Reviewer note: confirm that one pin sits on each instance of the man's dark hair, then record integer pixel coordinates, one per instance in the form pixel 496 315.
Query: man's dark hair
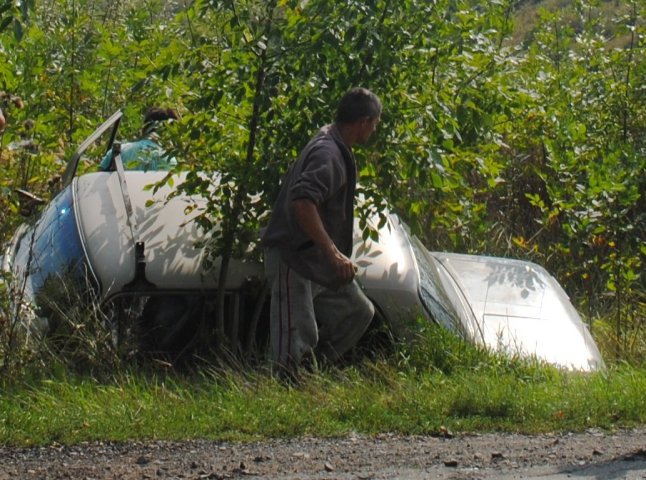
pixel 158 114
pixel 358 103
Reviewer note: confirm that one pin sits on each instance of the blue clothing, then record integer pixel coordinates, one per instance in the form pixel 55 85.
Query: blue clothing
pixel 144 154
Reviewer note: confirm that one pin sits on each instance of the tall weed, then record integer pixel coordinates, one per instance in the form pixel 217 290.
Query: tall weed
pixel 16 352
pixel 434 348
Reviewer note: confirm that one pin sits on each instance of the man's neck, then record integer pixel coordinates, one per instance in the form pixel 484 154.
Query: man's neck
pixel 347 134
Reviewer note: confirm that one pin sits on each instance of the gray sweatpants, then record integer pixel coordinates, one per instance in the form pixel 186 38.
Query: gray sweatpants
pixel 307 317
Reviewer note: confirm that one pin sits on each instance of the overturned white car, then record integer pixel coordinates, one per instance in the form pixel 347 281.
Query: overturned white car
pixel 102 236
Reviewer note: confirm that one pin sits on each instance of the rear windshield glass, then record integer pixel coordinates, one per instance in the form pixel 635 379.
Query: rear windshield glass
pixel 430 290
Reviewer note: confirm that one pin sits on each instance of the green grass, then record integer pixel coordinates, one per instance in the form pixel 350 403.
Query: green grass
pixel 417 390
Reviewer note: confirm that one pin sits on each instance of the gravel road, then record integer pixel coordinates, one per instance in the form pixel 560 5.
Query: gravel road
pixel 590 455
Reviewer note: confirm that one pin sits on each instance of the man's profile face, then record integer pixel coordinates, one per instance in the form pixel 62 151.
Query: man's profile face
pixel 367 126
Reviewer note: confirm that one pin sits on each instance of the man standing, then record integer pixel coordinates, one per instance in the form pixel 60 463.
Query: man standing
pixel 316 305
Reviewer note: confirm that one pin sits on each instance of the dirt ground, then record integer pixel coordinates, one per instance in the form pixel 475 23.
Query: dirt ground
pixel 593 454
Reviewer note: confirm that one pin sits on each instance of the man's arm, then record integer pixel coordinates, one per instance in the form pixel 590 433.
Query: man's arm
pixel 2 121
pixel 307 216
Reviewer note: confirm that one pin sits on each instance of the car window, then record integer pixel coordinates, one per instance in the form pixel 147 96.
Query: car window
pixel 89 153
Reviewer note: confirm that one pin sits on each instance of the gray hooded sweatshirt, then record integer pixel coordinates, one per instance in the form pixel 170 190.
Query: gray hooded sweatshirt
pixel 325 173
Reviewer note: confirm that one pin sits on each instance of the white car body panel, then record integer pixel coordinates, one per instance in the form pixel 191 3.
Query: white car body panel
pixel 173 261
pixel 387 270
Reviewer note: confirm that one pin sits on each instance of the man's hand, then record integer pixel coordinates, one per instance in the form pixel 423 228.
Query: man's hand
pixel 307 216
pixel 345 269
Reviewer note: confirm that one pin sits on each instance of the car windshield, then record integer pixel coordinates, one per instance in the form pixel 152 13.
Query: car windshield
pixel 446 308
